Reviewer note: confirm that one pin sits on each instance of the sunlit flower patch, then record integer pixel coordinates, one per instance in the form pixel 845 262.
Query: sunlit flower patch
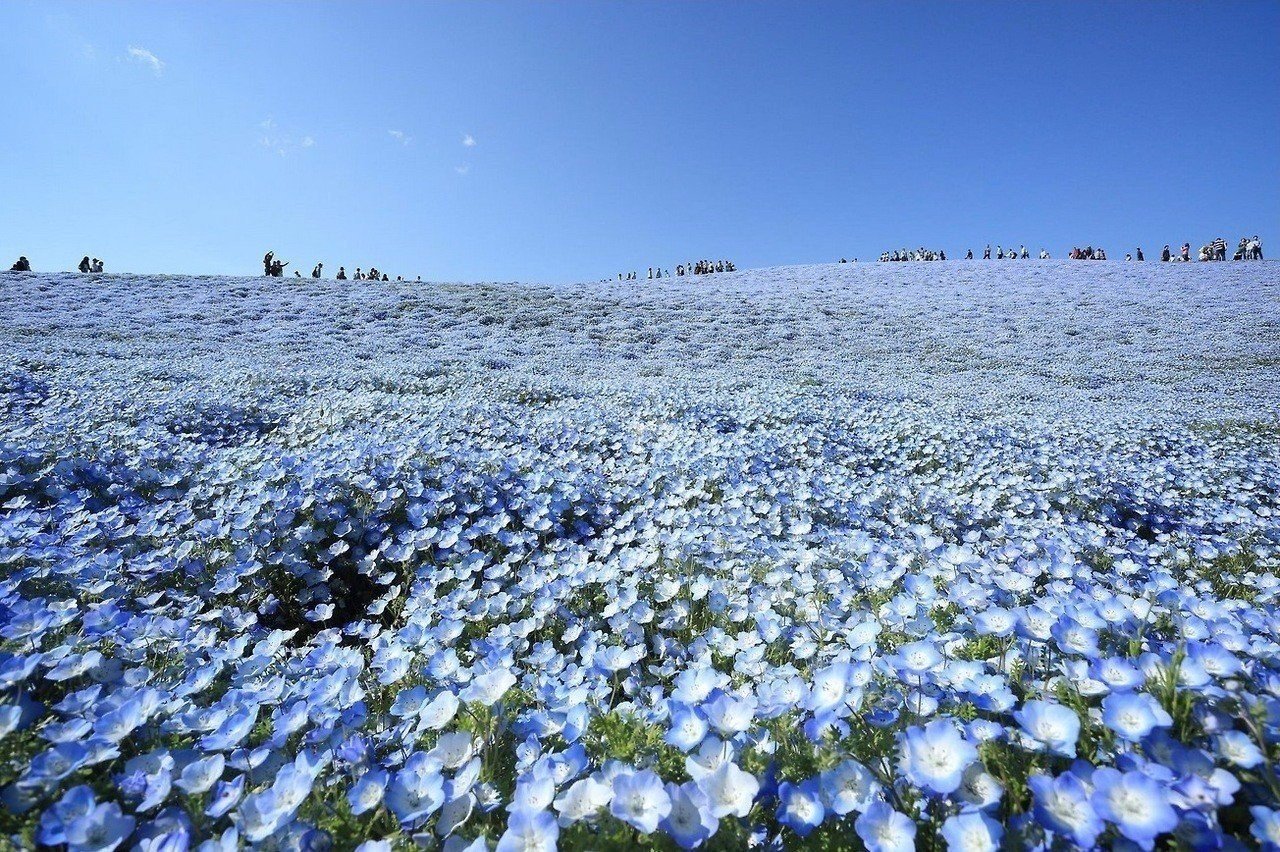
pixel 816 558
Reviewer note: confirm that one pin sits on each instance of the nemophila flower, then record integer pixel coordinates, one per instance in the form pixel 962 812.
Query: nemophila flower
pixel 1133 715
pixel 1193 792
pixel 200 775
pixel 882 829
pixel 101 830
pixel 488 687
pixel 1050 725
pixel 1240 749
pixel 583 800
pixel 979 788
pixel 689 822
pixel 829 686
pixel 972 832
pixel 225 796
pixel 1266 827
pixel 935 757
pixel 534 792
pixel 640 800
pixel 368 791
pixel 686 727
pixel 995 621
pixel 848 787
pixel 75 803
pixel 730 791
pixel 453 749
pixel 1137 805
pixel 454 813
pixel 800 806
pixel 232 731
pixel 1063 806
pixel 439 711
pixel 529 831
pixel 915 659
pixel 416 791
pixel 1117 673
pixel 728 714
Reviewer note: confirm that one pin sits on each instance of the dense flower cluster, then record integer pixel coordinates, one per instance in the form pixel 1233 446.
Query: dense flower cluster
pixel 517 568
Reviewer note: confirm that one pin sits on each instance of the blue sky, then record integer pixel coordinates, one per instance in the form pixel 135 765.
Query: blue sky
pixel 192 137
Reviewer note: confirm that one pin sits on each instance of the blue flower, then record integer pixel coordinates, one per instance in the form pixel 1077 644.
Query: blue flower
pixel 935 757
pixel 529 831
pixel 101 830
pixel 416 791
pixel 690 821
pixel 1133 715
pixel 800 806
pixel 687 728
pixel 1240 749
pixel 368 791
pixel 225 796
pixel 640 800
pixel 882 829
pixel 1062 805
pixel 1266 827
pixel 1050 725
pixel 972 832
pixel 1138 805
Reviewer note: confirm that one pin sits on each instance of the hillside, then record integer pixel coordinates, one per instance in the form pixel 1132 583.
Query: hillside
pixel 770 552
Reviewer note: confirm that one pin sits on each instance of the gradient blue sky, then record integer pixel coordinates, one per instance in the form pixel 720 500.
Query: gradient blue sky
pixel 193 136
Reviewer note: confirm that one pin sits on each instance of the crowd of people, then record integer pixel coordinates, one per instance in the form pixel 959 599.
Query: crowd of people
pixel 921 253
pixel 274 268
pixel 701 267
pixel 1246 249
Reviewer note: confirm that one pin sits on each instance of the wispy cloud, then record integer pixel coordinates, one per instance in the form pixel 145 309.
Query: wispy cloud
pixel 400 136
pixel 462 170
pixel 274 139
pixel 146 57
pixel 468 140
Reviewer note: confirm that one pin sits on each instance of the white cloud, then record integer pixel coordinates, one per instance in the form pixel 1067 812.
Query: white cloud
pixel 146 57
pixel 468 140
pixel 462 170
pixel 400 136
pixel 273 139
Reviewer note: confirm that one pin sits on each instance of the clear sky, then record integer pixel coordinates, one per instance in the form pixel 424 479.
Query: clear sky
pixel 562 141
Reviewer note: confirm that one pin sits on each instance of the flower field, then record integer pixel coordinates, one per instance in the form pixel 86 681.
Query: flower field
pixel 944 557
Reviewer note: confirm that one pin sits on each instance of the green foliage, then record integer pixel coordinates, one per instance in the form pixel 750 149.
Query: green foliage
pixel 622 736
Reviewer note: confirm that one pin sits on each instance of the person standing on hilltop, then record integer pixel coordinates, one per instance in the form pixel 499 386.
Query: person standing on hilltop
pixel 1166 255
pixel 96 266
pixel 266 263
pixel 85 265
pixel 1140 257
pixel 315 273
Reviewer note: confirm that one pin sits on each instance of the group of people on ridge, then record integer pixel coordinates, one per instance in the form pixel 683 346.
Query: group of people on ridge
pixel 87 265
pixel 701 267
pixel 1246 249
pixel 921 253
pixel 273 268
pixel 1091 253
